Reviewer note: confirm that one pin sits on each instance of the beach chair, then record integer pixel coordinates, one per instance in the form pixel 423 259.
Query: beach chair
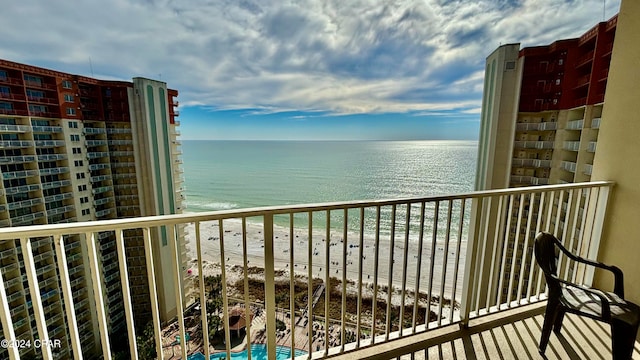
pixel 564 296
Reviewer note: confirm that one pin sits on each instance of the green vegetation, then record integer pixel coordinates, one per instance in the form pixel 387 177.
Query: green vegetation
pixel 146 343
pixel 300 295
pixel 213 286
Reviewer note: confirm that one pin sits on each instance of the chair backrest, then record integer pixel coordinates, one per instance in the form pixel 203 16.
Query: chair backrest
pixel 547 258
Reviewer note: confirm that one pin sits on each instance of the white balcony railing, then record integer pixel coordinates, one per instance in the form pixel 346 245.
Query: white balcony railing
pixel 93 131
pixel 14 128
pixel 588 169
pixel 425 262
pixel 575 124
pixel 542 126
pixel 47 129
pixel 18 159
pixel 534 144
pixel 571 145
pixel 118 130
pixel 569 166
pixel 531 163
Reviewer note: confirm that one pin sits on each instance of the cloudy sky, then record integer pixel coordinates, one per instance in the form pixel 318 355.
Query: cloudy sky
pixel 275 69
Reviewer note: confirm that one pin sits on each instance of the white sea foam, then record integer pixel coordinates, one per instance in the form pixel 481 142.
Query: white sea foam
pixel 212 205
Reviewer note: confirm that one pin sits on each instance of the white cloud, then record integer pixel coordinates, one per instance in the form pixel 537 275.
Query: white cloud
pixel 337 56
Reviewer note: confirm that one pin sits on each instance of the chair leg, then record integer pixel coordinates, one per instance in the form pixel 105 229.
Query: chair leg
pixel 557 324
pixel 623 337
pixel 547 325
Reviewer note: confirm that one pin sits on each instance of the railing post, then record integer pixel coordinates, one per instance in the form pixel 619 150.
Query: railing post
pixel 203 296
pixel 269 286
pixel 97 294
pixel 599 209
pixel 68 297
pixel 475 226
pixel 153 292
pixel 126 294
pixel 7 324
pixel 177 283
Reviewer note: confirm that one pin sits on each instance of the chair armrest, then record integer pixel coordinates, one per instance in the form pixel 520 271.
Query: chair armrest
pixel 618 287
pixel 606 309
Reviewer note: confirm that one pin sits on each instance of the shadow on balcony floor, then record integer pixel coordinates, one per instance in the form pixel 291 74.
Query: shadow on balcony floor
pixel 512 338
pixel 511 334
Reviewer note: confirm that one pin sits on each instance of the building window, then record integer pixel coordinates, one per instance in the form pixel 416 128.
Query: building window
pixel 84 200
pixel 80 175
pixel 78 163
pixel 77 150
pixel 37 108
pixel 73 124
pixel 3 75
pixel 75 137
pixel 6 106
pixel 82 187
pixel 560 61
pixel 557 81
pixel 9 137
pixel 42 137
pixel 510 65
pixel 5 91
pixel 35 94
pixel 71 111
pixel 66 84
pixel 86 212
pixel 68 98
pixel 33 79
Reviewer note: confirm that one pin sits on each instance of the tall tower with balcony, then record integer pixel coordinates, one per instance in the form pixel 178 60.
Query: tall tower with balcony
pixel 548 128
pixel 74 148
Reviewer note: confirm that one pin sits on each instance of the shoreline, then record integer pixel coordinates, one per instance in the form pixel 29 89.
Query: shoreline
pixel 339 251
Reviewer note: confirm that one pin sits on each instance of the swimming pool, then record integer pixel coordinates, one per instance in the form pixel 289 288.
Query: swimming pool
pixel 258 352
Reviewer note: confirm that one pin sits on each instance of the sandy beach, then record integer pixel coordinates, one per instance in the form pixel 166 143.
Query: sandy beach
pixel 293 253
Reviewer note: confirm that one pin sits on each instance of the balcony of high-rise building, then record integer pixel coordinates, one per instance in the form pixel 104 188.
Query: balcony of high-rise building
pixel 461 290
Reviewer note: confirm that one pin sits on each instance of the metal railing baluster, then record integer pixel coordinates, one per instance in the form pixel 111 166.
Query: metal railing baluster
pixel 418 267
pixel 360 270
pixel 405 256
pixel 432 260
pixel 269 287
pixel 445 258
pixel 203 296
pixel 390 273
pixel 126 294
pixel 7 323
pixel 97 293
pixel 456 266
pixel 153 292
pixel 177 283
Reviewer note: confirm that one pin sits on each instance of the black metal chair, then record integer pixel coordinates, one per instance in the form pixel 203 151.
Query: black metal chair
pixel 564 296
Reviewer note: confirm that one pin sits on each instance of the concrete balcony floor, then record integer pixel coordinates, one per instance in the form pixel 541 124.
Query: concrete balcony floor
pixel 511 334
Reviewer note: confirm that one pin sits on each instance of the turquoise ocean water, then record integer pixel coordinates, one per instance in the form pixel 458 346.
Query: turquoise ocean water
pixel 222 175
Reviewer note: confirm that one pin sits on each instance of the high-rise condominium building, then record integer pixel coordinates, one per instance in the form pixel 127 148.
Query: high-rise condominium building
pixel 541 111
pixel 74 148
